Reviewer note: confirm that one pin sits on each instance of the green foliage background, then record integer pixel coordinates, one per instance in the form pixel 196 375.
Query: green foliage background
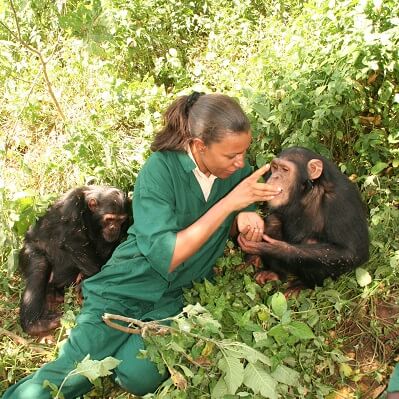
pixel 84 86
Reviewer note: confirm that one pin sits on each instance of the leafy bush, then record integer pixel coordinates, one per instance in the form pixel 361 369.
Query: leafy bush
pixel 85 84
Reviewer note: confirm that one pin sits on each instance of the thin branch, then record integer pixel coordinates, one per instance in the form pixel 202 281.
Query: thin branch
pixel 39 54
pixel 19 340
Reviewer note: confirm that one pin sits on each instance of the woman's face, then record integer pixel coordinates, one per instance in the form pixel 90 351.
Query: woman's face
pixel 223 158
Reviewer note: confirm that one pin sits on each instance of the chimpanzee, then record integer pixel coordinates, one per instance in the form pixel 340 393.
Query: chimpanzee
pixel 316 227
pixel 72 240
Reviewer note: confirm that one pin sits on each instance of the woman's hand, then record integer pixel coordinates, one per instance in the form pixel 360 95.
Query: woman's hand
pixel 250 225
pixel 250 191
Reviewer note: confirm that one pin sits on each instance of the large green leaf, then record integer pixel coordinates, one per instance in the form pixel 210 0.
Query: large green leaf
pixel 220 389
pixel 260 381
pixel 286 375
pixel 234 372
pixel 300 330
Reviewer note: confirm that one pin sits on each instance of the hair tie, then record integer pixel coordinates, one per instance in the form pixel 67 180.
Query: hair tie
pixel 191 100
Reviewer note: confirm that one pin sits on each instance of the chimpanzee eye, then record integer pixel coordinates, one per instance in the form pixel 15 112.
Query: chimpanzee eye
pixel 109 218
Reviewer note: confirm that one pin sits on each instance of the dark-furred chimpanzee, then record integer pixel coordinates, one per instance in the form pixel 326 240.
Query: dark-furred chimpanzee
pixel 72 240
pixel 316 226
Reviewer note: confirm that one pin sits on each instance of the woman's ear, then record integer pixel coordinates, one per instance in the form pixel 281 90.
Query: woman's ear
pixel 315 169
pixel 199 145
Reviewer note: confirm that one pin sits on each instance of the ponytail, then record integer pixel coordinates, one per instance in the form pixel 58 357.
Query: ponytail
pixel 175 133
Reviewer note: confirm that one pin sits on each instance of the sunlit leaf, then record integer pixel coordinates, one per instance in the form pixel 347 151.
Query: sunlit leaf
pixel 93 369
pixel 363 277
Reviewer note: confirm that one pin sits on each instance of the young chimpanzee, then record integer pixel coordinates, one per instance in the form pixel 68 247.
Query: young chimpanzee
pixel 316 227
pixel 72 240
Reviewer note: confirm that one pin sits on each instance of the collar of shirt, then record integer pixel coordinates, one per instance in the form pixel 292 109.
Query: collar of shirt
pixel 205 182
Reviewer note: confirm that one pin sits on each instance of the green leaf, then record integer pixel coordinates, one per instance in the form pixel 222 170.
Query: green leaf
pixel 260 381
pixel 279 333
pixel 233 370
pixel 260 336
pixel 93 369
pixel 193 310
pixel 320 90
pixel 240 350
pixel 186 370
pixel 338 356
pixel 363 277
pixel 300 329
pixel 176 347
pixel 378 167
pixel 279 304
pixel 262 110
pixel 345 370
pixel 220 389
pixel 286 375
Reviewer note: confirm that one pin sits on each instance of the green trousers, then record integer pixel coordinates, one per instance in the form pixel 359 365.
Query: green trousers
pixel 92 336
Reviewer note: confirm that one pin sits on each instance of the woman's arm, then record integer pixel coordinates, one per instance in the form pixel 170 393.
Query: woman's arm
pixel 190 240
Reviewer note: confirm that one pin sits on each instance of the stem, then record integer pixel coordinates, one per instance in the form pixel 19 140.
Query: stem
pixel 62 384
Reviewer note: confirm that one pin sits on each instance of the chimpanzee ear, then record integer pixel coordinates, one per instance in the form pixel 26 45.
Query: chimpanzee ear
pixel 315 169
pixel 92 204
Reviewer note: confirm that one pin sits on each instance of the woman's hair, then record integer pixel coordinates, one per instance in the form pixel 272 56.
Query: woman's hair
pixel 208 117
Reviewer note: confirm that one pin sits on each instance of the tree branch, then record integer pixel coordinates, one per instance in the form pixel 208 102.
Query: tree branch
pixel 39 54
pixel 20 341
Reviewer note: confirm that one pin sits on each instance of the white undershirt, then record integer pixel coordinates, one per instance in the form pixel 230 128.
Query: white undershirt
pixel 205 182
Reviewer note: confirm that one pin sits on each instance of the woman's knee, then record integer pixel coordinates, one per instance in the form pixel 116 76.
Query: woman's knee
pixel 139 380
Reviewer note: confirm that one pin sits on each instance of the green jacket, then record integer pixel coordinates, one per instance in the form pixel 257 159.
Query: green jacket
pixel 167 199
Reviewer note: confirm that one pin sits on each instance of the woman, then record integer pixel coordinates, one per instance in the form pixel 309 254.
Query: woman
pixel 186 198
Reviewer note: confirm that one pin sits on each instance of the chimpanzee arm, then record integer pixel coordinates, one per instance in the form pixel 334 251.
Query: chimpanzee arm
pixel 84 258
pixel 311 262
pixel 273 226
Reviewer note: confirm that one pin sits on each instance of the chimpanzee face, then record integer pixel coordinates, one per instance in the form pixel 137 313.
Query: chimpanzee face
pixel 111 225
pixel 291 175
pixel 284 176
pixel 109 212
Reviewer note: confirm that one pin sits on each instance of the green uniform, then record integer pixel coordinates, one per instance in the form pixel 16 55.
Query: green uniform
pixel 135 282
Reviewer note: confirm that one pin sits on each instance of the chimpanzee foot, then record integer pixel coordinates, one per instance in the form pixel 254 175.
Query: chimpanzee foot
pixel 266 275
pixel 41 327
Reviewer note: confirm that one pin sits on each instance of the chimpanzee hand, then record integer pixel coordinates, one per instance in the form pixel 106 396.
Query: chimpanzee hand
pixel 259 248
pixel 249 246
pixel 276 243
